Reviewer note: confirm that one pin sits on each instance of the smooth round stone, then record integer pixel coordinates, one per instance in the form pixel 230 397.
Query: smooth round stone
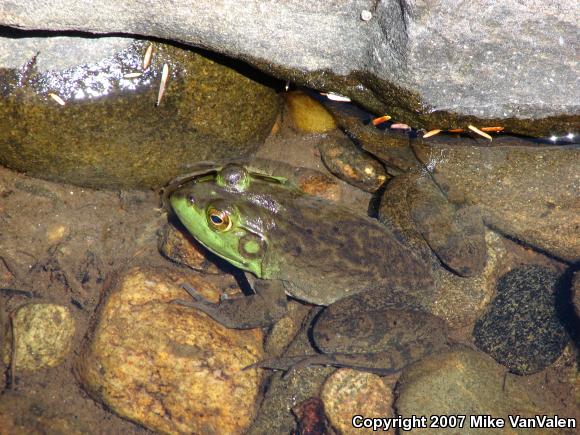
pixel 447 386
pixel 348 392
pixel 168 367
pixel 307 114
pixel 43 336
pixel 522 329
pixel 87 111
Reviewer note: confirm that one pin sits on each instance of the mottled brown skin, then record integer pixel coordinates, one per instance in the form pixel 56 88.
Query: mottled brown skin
pixel 325 254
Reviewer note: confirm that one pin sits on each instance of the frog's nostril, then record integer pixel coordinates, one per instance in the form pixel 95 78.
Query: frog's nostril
pixel 191 198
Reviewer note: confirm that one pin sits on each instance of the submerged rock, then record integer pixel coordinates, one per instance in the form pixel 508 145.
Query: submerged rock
pixel 466 383
pixel 307 114
pixel 43 336
pixel 348 392
pixel 522 329
pixel 168 367
pixel 428 64
pixel 86 111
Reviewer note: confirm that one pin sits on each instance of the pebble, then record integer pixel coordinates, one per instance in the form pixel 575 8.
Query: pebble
pixel 44 334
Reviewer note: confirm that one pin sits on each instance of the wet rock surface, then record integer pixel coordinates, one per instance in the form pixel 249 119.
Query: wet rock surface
pixel 168 367
pixel 405 60
pixel 307 114
pixel 42 335
pixel 465 382
pixel 85 111
pixel 522 328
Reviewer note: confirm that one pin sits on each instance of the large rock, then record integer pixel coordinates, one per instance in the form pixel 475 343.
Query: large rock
pixel 429 63
pixel 468 383
pixel 168 367
pixel 106 130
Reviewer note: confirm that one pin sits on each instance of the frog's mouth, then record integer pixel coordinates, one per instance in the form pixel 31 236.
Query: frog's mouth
pixel 251 266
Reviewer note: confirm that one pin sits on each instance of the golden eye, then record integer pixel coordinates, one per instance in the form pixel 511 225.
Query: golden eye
pixel 219 220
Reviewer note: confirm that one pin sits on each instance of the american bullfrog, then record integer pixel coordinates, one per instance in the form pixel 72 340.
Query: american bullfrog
pixel 313 250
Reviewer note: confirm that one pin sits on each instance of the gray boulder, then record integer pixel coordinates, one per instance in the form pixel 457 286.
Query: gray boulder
pixel 432 64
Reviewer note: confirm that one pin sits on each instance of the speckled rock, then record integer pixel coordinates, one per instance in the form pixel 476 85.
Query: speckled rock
pixel 470 383
pixel 576 293
pixel 168 367
pixel 83 110
pixel 307 114
pixel 348 392
pixel 351 164
pixel 521 329
pixel 43 333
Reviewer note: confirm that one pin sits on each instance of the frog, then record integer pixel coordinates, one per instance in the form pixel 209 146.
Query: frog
pixel 293 244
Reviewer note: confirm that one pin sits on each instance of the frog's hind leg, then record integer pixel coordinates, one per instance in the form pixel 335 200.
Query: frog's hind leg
pixel 377 332
pixel 290 364
pixel 264 308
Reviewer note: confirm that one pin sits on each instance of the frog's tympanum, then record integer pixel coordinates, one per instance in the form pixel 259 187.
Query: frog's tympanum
pixel 316 251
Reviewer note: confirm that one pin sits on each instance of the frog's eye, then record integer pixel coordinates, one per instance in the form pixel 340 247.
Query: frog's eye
pixel 219 220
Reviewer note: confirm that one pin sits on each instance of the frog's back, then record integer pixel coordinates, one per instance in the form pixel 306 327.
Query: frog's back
pixel 329 252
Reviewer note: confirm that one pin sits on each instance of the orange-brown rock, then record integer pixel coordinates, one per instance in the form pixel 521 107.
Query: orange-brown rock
pixel 168 367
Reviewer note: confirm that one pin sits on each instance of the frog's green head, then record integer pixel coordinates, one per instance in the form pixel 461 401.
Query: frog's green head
pixel 228 213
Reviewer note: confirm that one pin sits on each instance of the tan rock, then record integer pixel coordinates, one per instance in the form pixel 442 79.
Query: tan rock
pixel 307 114
pixel 348 392
pixel 43 336
pixel 168 367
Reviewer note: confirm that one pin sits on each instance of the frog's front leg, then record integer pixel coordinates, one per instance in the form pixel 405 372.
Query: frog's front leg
pixel 264 308
pixel 456 236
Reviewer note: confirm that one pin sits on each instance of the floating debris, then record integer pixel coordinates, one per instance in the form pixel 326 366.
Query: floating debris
pixel 335 97
pixel 400 126
pixel 56 98
pixel 164 77
pixel 380 119
pixel 147 57
pixel 496 129
pixel 366 15
pixel 132 75
pixel 431 133
pixel 479 132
